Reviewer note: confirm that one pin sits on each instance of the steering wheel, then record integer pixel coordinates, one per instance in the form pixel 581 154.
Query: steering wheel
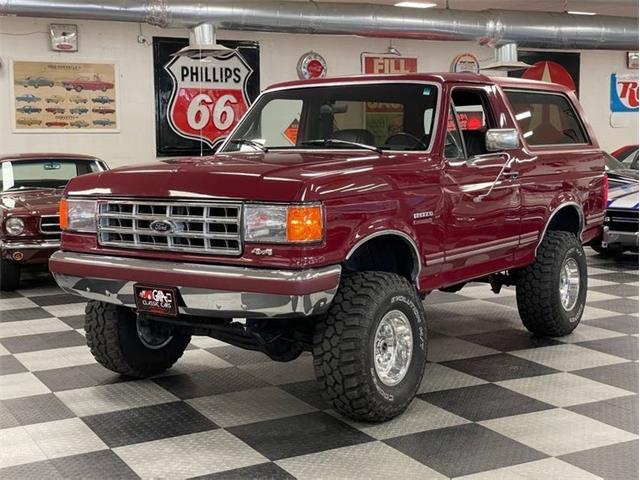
pixel 418 141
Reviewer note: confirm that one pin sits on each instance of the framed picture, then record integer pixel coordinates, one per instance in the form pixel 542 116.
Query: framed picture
pixel 556 67
pixel 74 97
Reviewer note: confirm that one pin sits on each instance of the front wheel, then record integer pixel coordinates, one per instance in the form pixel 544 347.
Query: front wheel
pixel 370 350
pixel 127 344
pixel 552 291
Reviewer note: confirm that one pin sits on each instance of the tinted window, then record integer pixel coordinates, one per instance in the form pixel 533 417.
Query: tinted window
pixel 474 118
pixel 546 119
pixel 453 149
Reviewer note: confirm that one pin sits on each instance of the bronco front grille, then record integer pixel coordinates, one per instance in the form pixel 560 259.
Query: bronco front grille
pixel 622 220
pixel 212 228
pixel 50 224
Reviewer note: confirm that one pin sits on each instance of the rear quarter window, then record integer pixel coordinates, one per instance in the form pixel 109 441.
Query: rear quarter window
pixel 546 118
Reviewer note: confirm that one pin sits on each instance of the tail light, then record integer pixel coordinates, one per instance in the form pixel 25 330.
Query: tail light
pixel 605 191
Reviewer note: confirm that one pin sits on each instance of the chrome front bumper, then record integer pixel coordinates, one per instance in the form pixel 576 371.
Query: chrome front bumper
pixel 626 239
pixel 204 289
pixel 30 245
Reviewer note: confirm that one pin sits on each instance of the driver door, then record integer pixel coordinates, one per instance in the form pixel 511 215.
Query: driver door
pixel 482 206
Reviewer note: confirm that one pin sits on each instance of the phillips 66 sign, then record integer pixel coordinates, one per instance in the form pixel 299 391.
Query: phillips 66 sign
pixel 199 102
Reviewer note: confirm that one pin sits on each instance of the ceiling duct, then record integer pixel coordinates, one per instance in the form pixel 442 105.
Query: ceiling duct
pixel 489 27
pixel 202 44
pixel 506 59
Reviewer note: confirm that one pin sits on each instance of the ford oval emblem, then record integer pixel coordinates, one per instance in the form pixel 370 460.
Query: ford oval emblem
pixel 161 226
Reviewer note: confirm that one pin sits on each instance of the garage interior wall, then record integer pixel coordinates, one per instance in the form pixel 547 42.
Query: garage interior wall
pixel 279 53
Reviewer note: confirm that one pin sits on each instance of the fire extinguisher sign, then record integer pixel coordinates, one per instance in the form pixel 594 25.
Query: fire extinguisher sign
pixel 198 103
pixel 624 92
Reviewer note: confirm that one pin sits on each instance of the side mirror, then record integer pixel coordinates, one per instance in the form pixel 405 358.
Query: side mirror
pixel 500 139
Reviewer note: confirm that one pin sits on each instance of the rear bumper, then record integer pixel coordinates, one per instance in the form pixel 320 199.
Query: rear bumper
pixel 205 290
pixel 613 237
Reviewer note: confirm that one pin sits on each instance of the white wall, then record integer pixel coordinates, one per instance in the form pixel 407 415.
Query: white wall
pixel 27 39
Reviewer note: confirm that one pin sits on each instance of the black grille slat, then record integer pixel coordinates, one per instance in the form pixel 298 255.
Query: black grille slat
pixel 196 227
pixel 50 224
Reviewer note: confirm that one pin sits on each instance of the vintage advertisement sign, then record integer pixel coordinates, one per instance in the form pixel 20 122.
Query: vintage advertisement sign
pixel 311 65
pixel 379 64
pixel 624 92
pixel 199 102
pixel 556 67
pixel 69 96
pixel 465 62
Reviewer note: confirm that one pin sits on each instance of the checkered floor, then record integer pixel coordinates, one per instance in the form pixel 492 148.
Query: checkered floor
pixel 495 404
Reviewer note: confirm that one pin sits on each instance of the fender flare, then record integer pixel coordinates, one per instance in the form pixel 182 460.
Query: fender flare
pixel 559 207
pixel 408 239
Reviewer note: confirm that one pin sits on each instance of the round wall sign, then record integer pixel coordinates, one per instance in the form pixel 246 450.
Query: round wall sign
pixel 311 65
pixel 465 62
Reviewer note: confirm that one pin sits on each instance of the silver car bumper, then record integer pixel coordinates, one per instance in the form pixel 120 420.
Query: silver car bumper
pixel 626 239
pixel 204 289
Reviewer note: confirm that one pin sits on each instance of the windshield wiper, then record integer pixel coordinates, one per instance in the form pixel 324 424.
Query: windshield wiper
pixel 251 143
pixel 335 141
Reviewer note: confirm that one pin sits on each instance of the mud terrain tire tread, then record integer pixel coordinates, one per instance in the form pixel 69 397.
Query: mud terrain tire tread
pixel 537 291
pixel 341 344
pixel 106 328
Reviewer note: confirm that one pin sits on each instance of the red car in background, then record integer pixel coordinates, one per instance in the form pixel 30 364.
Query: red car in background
pixel 57 124
pixel 30 189
pixel 80 84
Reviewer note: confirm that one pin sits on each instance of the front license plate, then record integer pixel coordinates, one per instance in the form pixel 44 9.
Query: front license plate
pixel 156 300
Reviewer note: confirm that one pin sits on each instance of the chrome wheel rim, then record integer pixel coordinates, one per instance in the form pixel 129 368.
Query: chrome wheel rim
pixel 569 284
pixel 153 337
pixel 393 347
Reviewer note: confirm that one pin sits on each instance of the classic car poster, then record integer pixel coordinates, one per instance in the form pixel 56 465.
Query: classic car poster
pixel 69 96
pixel 199 102
pixel 556 67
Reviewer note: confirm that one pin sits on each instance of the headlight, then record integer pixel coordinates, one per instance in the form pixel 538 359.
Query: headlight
pixel 78 215
pixel 283 223
pixel 14 226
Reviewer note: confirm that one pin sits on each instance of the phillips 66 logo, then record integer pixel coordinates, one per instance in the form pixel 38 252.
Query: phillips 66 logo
pixel 208 98
pixel 624 92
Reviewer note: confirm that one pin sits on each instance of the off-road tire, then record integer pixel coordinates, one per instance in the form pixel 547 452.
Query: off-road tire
pixel 537 288
pixel 9 275
pixel 343 351
pixel 114 342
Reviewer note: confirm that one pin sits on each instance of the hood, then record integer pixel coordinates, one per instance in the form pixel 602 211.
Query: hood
pixel 280 176
pixel 32 202
pixel 623 196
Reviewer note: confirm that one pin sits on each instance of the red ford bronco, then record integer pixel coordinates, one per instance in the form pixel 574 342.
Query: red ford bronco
pixel 328 214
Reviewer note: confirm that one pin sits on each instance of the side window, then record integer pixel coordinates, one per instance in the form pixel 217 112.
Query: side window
pixel 453 149
pixel 474 119
pixel 546 118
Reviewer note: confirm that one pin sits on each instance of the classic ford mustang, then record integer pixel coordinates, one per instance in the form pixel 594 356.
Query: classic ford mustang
pixel 30 189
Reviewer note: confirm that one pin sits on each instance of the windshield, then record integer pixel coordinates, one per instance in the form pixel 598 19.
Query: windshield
pixel 29 174
pixel 611 162
pixel 381 116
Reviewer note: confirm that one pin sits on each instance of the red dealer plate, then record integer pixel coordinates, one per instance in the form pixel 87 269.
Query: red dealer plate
pixel 156 300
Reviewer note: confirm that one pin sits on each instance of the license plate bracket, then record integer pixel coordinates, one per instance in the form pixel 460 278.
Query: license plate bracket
pixel 161 301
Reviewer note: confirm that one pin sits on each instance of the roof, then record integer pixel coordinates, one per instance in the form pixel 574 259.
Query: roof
pixel 444 77
pixel 46 156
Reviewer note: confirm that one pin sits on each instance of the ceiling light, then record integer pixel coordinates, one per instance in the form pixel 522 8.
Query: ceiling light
pixel 574 12
pixel 416 5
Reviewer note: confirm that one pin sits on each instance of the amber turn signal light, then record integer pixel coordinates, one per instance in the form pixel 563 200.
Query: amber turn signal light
pixel 305 224
pixel 64 214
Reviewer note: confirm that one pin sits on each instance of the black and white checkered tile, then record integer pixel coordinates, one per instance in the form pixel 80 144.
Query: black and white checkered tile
pixel 496 403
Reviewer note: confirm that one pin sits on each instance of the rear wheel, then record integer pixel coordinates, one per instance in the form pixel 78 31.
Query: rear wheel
pixel 9 275
pixel 129 344
pixel 370 350
pixel 552 291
